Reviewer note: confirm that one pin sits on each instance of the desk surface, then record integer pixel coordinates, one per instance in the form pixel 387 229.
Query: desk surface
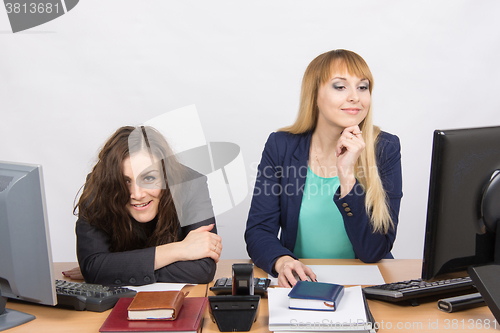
pixel 55 319
pixel 391 317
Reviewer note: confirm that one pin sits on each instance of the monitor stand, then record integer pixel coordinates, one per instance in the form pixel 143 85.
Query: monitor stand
pixel 486 280
pixel 11 318
pixel 486 277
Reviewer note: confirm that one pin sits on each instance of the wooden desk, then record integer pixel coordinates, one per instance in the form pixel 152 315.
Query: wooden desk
pixel 424 318
pixel 390 317
pixel 55 319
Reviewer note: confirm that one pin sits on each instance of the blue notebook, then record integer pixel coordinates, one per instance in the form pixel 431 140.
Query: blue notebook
pixel 321 296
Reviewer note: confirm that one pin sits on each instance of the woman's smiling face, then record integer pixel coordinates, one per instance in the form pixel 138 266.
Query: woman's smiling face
pixel 144 181
pixel 343 101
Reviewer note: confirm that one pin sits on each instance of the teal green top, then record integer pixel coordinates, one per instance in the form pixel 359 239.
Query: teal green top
pixel 321 233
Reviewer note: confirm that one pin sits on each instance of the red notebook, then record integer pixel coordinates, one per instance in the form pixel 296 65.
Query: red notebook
pixel 189 320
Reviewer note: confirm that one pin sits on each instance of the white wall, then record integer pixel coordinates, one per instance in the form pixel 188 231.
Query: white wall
pixel 65 86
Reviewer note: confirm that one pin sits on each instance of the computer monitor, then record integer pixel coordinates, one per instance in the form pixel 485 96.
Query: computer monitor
pixel 26 271
pixel 464 164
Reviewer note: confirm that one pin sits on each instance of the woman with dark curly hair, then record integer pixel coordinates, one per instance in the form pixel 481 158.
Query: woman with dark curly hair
pixel 143 217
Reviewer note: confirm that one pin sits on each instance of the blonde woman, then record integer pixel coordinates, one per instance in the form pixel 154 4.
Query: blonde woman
pixel 331 182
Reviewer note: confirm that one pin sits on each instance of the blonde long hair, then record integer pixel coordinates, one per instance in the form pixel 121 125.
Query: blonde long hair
pixel 318 73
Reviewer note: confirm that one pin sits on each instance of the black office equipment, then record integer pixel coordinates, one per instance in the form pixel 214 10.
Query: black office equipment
pixel 243 279
pixel 224 286
pixel 238 311
pixel 91 297
pixel 487 277
pixel 465 164
pixel 234 313
pixel 413 289
pixel 459 303
pixel 462 210
pixel 487 280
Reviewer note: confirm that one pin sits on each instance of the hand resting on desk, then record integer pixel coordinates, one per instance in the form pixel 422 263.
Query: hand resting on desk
pixel 289 270
pixel 74 274
pixel 199 243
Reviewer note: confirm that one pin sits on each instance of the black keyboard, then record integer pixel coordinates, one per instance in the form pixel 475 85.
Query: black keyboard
pixel 86 296
pixel 412 289
pixel 224 286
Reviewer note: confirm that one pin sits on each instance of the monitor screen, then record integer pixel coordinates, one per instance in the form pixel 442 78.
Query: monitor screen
pixel 463 163
pixel 26 271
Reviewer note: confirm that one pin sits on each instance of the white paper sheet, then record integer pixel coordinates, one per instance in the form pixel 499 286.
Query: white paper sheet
pixel 350 314
pixel 348 275
pixel 158 287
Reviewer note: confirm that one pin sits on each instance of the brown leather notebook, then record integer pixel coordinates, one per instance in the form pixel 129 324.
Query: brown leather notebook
pixel 156 305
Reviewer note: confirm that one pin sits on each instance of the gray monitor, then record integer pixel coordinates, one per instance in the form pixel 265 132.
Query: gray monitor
pixel 26 271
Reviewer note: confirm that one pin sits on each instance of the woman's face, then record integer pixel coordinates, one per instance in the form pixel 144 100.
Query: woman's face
pixel 144 180
pixel 343 101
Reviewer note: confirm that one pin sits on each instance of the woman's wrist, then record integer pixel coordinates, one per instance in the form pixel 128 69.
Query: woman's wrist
pixel 167 254
pixel 280 262
pixel 346 184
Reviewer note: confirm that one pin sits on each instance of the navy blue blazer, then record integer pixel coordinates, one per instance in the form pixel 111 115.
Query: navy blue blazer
pixel 277 198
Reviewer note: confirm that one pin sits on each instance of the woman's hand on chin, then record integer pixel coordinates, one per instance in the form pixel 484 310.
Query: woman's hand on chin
pixel 349 147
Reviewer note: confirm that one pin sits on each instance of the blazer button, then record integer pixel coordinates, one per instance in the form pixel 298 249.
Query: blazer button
pixel 132 280
pixel 118 281
pixel 349 214
pixel 147 279
pixel 345 204
pixel 347 209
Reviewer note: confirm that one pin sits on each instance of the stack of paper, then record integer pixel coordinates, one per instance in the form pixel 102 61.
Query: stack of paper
pixel 349 317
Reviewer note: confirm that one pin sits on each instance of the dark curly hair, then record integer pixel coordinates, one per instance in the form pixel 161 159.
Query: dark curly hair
pixel 105 194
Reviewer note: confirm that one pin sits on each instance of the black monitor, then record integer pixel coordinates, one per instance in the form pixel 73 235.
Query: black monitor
pixel 462 203
pixel 26 271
